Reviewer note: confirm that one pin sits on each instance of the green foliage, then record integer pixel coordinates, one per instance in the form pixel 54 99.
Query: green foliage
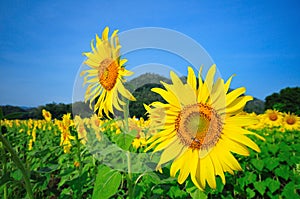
pixel 273 173
pixel 287 100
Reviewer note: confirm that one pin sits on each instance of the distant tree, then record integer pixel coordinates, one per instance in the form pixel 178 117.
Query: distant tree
pixel 82 109
pixel 287 100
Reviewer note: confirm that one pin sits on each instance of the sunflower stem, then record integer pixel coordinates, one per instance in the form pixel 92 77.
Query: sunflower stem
pixel 129 173
pixel 19 164
pixel 80 165
pixel 3 155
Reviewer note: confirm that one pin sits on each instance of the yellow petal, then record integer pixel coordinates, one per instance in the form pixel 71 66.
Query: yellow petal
pixel 217 165
pixel 191 78
pixel 168 96
pixel 170 152
pixel 241 120
pixel 210 172
pixel 233 95
pixel 105 33
pixel 227 84
pixel 238 104
pixel 210 77
pixel 240 139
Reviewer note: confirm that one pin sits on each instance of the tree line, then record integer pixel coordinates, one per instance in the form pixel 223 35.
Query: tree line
pixel 287 100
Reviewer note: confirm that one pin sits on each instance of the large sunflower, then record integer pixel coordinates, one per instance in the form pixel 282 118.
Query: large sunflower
pixel 105 76
pixel 201 128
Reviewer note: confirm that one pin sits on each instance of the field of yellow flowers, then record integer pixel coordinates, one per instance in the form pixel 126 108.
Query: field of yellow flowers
pixel 59 164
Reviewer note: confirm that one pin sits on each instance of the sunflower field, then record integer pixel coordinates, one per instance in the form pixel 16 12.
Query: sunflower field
pixel 197 143
pixel 54 155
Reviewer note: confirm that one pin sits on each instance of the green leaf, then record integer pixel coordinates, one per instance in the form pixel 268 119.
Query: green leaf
pixel 296 147
pixel 151 177
pixel 198 194
pixel 123 140
pixel 283 172
pixel 271 163
pixel 273 185
pixel 284 147
pixel 190 187
pixel 260 187
pixel 17 174
pixel 158 191
pixel 175 192
pixel 273 148
pixel 50 168
pixel 107 182
pixel 250 193
pixel 289 191
pixel 258 164
pixel 139 191
pixel 250 178
pixel 220 185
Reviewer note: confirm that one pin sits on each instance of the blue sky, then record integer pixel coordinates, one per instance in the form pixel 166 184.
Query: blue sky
pixel 41 42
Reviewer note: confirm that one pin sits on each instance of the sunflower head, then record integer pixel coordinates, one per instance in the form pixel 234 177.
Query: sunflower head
pixel 106 74
pixel 201 127
pixel 273 118
pixel 46 115
pixel 291 121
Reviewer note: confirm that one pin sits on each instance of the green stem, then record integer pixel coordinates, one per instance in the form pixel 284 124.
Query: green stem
pixel 129 173
pixel 79 156
pixel 19 164
pixel 3 155
pixel 129 176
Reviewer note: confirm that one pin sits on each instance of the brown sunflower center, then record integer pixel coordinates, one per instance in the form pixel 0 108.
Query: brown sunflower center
pixel 108 73
pixel 198 126
pixel 290 120
pixel 273 116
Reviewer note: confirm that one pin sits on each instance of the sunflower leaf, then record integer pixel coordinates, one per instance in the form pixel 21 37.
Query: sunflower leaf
pixel 123 140
pixel 271 163
pixel 260 187
pixel 283 172
pixel 273 148
pixel 198 194
pixel 289 191
pixel 273 185
pixel 250 193
pixel 258 164
pixel 107 182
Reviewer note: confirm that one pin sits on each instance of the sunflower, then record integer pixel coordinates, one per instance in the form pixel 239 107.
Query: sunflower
pixel 105 76
pixel 64 127
pixel 291 122
pixel 46 115
pixel 201 128
pixel 273 118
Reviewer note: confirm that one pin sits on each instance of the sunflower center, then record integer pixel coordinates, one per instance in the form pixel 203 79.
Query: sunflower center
pixel 290 120
pixel 198 126
pixel 108 73
pixel 273 116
